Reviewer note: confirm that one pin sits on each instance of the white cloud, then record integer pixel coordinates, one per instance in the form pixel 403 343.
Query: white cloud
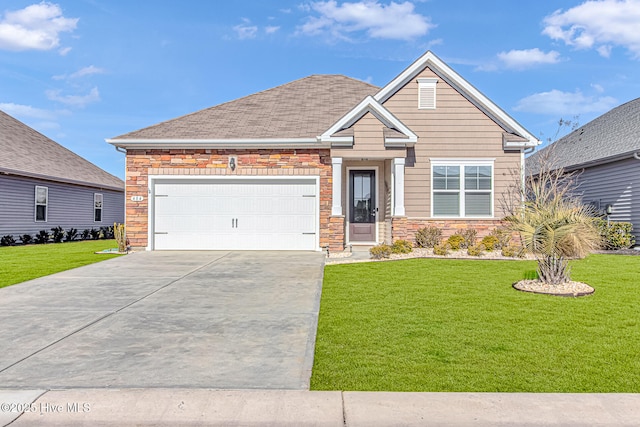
pixel 74 100
pixel 20 110
pixel 598 24
pixel 396 21
pixel 521 59
pixel 86 71
pixel 246 30
pixel 558 103
pixel 36 27
pixel 271 29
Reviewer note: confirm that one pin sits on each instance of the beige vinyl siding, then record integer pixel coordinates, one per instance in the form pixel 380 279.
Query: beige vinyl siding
pixel 456 129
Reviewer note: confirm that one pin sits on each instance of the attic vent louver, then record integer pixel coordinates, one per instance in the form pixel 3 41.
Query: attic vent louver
pixel 427 93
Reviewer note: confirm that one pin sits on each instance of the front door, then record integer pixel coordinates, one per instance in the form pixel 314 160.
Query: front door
pixel 362 206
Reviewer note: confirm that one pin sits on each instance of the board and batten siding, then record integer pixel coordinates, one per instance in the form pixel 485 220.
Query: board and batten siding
pixel 455 129
pixel 617 184
pixel 69 206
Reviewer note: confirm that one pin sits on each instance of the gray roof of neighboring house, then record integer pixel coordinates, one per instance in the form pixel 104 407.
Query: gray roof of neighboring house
pixel 613 135
pixel 301 109
pixel 26 152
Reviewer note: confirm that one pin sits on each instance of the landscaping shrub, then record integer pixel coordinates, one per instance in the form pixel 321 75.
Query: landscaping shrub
pixel 469 237
pixel 512 251
pixel 401 247
pixel 442 249
pixel 94 233
pixel 490 242
pixel 7 240
pixel 380 251
pixel 42 237
pixel 26 239
pixel 57 234
pixel 503 236
pixel 476 250
pixel 106 232
pixel 455 241
pixel 71 235
pixel 616 235
pixel 85 234
pixel 428 237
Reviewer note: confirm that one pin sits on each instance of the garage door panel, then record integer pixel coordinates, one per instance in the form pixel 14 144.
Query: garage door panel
pixel 236 214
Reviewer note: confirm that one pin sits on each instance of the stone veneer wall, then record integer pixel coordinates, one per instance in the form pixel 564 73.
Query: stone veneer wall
pixel 405 228
pixel 142 163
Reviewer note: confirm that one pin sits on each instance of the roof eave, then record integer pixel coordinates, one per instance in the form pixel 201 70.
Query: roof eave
pixel 238 144
pixel 51 178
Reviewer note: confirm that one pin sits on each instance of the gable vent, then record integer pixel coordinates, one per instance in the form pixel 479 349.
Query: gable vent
pixel 427 93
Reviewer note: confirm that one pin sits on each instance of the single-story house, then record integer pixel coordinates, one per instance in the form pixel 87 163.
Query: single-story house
pixel 43 185
pixel 605 156
pixel 324 161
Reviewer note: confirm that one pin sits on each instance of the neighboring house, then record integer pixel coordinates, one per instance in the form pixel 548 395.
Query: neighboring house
pixel 43 185
pixel 324 161
pixel 605 156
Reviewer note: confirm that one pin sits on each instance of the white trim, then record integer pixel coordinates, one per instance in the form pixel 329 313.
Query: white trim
pixel 336 189
pixel 266 143
pixel 367 105
pixel 469 161
pixel 398 187
pixel 152 179
pixel 375 169
pixel 429 59
pixel 461 191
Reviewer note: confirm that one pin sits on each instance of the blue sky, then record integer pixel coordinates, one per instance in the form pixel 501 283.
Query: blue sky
pixel 80 71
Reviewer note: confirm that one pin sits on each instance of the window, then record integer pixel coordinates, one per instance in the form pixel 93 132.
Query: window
pixel 97 207
pixel 462 189
pixel 427 93
pixel 42 199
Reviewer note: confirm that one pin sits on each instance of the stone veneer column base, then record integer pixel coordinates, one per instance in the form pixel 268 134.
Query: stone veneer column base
pixel 336 233
pixel 398 228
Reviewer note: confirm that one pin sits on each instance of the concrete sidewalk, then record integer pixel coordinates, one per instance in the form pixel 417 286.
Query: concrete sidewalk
pixel 202 407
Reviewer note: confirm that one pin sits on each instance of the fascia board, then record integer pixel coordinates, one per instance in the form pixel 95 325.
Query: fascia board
pixel 219 143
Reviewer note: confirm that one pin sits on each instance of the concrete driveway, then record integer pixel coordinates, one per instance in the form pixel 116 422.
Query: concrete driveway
pixel 224 320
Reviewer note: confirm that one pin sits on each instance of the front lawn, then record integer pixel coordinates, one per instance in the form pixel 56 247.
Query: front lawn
pixel 458 325
pixel 22 263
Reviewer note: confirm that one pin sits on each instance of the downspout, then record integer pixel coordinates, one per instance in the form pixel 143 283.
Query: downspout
pixel 636 155
pixel 121 150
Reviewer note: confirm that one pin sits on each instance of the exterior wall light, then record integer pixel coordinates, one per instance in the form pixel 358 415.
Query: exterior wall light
pixel 232 163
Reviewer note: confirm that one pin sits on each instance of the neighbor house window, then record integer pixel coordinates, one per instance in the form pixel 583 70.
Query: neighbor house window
pixel 42 200
pixel 427 93
pixel 97 207
pixel 462 189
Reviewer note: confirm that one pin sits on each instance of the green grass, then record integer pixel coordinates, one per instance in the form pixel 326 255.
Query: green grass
pixel 458 325
pixel 21 263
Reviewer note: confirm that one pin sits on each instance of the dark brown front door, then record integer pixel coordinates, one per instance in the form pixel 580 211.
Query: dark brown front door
pixel 362 206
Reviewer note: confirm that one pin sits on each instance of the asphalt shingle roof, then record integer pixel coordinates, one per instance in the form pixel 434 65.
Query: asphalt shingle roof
pixel 610 136
pixel 301 109
pixel 29 153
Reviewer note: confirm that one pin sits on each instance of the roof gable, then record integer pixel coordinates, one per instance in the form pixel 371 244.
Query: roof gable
pixel 26 152
pixel 430 60
pixel 396 133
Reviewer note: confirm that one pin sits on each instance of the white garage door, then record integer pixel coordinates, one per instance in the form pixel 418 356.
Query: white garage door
pixel 235 214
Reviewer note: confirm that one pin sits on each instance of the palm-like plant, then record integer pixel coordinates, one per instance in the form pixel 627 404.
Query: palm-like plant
pixel 554 226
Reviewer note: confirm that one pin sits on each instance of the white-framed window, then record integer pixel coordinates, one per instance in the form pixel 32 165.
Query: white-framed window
pixel 462 188
pixel 427 93
pixel 97 207
pixel 41 203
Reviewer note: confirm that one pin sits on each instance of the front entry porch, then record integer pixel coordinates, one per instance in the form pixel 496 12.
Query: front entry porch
pixel 367 195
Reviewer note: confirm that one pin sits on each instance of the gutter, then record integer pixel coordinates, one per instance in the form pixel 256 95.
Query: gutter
pixel 636 155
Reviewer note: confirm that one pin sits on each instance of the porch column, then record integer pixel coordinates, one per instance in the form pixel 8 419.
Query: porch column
pixel 398 186
pixel 336 190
